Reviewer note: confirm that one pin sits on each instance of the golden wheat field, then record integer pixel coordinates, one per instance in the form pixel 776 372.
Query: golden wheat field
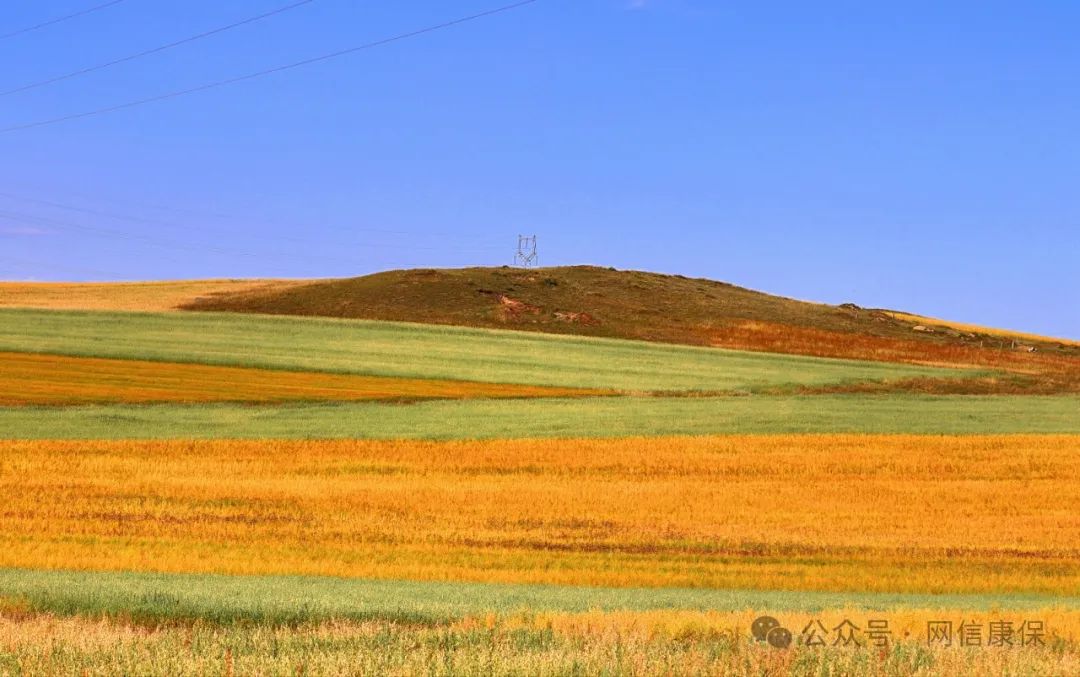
pixel 27 378
pixel 141 296
pixel 891 513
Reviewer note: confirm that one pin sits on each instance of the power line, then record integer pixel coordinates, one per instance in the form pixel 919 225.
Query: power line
pixel 198 248
pixel 67 269
pixel 155 50
pixel 57 20
pixel 270 71
pixel 217 231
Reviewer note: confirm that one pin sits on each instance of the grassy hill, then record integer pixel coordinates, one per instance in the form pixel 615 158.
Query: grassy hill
pixel 603 302
pixel 589 301
pixel 582 300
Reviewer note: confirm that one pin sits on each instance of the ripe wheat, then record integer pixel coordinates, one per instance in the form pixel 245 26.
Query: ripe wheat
pixel 802 512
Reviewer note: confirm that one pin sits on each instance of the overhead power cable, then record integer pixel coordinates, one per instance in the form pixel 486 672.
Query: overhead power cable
pixel 217 232
pixel 25 263
pixel 200 248
pixel 270 71
pixel 155 50
pixel 60 19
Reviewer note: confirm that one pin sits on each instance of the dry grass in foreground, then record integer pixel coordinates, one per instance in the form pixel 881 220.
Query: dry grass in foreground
pixel 32 379
pixel 896 513
pixel 616 644
pixel 146 296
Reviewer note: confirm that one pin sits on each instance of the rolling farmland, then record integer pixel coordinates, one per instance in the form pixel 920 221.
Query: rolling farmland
pixel 524 338
pixel 427 352
pixel 348 490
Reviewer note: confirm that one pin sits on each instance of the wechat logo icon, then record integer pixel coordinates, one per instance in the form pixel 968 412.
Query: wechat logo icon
pixel 768 629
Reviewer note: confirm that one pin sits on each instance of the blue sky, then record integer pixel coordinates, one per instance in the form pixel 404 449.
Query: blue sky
pixel 917 155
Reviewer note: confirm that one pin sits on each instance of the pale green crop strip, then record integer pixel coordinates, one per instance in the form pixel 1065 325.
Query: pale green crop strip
pixel 427 351
pixel 555 418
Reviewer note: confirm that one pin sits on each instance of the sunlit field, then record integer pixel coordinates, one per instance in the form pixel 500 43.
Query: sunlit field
pixel 580 339
pixel 136 296
pixel 27 378
pixel 691 644
pixel 183 624
pixel 830 512
pixel 425 351
pixel 546 418
pixel 196 493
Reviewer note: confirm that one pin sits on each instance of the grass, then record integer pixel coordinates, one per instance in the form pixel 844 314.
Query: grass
pixel 831 512
pixel 1043 372
pixel 703 644
pixel 979 329
pixel 63 622
pixel 591 301
pixel 719 528
pixel 28 378
pixel 581 300
pixel 555 418
pixel 420 351
pixel 154 598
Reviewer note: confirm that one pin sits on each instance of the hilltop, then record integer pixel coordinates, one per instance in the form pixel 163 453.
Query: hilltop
pixel 594 301
pixel 604 302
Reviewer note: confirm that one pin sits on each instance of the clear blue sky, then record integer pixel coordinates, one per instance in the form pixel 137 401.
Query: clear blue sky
pixel 915 155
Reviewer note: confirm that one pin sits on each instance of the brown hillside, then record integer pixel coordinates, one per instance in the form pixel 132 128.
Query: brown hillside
pixel 581 300
pixel 592 301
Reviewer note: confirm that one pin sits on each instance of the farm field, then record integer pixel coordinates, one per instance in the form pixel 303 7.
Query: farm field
pixel 137 296
pixel 604 417
pixel 525 338
pixel 150 599
pixel 27 378
pixel 103 623
pixel 195 492
pixel 420 351
pixel 557 645
pixel 184 624
pixel 854 513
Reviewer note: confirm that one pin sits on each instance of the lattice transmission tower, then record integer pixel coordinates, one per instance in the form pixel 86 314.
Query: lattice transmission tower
pixel 526 252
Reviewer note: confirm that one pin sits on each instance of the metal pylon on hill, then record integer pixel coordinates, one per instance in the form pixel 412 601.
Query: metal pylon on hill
pixel 526 252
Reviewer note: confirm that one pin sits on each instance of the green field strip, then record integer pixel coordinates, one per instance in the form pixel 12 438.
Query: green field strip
pixel 297 599
pixel 555 418
pixel 427 351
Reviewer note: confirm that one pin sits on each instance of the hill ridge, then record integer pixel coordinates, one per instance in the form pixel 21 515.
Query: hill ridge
pixel 597 301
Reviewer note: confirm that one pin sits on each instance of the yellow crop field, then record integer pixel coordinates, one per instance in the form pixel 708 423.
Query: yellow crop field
pixel 897 513
pixel 691 643
pixel 144 296
pixel 27 378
